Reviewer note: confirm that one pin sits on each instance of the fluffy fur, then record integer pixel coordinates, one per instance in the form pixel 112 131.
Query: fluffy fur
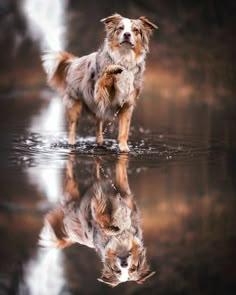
pixel 105 81
pixel 103 219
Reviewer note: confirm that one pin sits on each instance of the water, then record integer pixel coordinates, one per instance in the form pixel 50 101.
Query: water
pixel 176 187
pixel 181 172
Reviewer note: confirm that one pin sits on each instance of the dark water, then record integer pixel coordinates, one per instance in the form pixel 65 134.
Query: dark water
pixel 181 172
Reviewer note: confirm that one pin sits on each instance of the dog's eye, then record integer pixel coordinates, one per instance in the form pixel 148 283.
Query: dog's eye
pixel 136 31
pixel 120 28
pixel 133 268
pixel 117 271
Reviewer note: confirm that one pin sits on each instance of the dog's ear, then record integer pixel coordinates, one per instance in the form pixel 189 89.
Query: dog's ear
pixel 108 280
pixel 148 24
pixel 112 20
pixel 53 233
pixel 144 276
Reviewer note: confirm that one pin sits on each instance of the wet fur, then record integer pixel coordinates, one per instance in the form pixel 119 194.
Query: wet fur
pixel 104 81
pixel 103 219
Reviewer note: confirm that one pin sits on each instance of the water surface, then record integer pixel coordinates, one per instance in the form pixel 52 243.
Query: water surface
pixel 181 171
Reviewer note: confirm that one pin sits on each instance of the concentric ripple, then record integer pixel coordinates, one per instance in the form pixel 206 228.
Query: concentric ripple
pixel 34 148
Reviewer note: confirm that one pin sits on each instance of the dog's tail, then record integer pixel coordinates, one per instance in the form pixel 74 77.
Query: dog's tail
pixel 53 234
pixel 56 65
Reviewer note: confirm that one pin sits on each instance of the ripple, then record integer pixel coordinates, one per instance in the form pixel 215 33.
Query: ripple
pixel 34 148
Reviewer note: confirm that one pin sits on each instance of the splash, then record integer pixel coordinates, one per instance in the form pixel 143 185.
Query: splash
pixel 46 22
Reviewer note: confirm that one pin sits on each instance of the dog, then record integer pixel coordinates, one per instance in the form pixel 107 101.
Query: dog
pixel 105 219
pixel 106 82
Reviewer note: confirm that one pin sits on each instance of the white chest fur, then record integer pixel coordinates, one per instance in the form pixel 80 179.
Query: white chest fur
pixel 125 56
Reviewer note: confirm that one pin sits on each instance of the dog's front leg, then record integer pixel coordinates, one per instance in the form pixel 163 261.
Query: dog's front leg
pixel 71 187
pixel 104 89
pixel 121 175
pixel 122 182
pixel 124 116
pixel 73 113
pixel 99 133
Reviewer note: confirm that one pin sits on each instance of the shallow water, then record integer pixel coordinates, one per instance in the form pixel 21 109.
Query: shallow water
pixel 181 172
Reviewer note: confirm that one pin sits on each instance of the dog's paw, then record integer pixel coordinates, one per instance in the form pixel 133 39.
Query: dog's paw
pixel 72 147
pixel 99 140
pixel 123 147
pixel 114 69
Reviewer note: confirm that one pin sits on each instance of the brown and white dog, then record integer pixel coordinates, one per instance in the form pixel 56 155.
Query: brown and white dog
pixel 104 219
pixel 105 82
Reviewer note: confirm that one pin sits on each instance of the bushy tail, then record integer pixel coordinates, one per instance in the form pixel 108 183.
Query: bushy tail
pixel 56 65
pixel 53 234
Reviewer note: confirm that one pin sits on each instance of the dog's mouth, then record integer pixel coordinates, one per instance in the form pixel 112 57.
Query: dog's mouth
pixel 127 42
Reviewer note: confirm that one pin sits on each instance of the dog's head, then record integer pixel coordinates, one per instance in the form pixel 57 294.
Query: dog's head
pixel 133 34
pixel 125 260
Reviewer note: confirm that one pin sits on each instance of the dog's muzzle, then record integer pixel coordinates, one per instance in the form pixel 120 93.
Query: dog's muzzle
pixel 127 39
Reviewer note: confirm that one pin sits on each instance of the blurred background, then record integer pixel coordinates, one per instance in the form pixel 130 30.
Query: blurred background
pixel 182 160
pixel 192 52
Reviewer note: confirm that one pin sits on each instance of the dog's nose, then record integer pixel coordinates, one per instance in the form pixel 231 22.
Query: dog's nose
pixel 124 263
pixel 127 35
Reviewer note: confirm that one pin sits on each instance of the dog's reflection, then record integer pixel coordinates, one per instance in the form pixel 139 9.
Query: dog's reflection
pixel 105 218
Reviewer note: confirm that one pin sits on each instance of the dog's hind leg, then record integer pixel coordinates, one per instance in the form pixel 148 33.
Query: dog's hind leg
pixel 99 134
pixel 73 115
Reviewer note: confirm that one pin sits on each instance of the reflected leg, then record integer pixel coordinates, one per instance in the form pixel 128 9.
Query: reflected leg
pixel 71 186
pixel 122 181
pixel 121 174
